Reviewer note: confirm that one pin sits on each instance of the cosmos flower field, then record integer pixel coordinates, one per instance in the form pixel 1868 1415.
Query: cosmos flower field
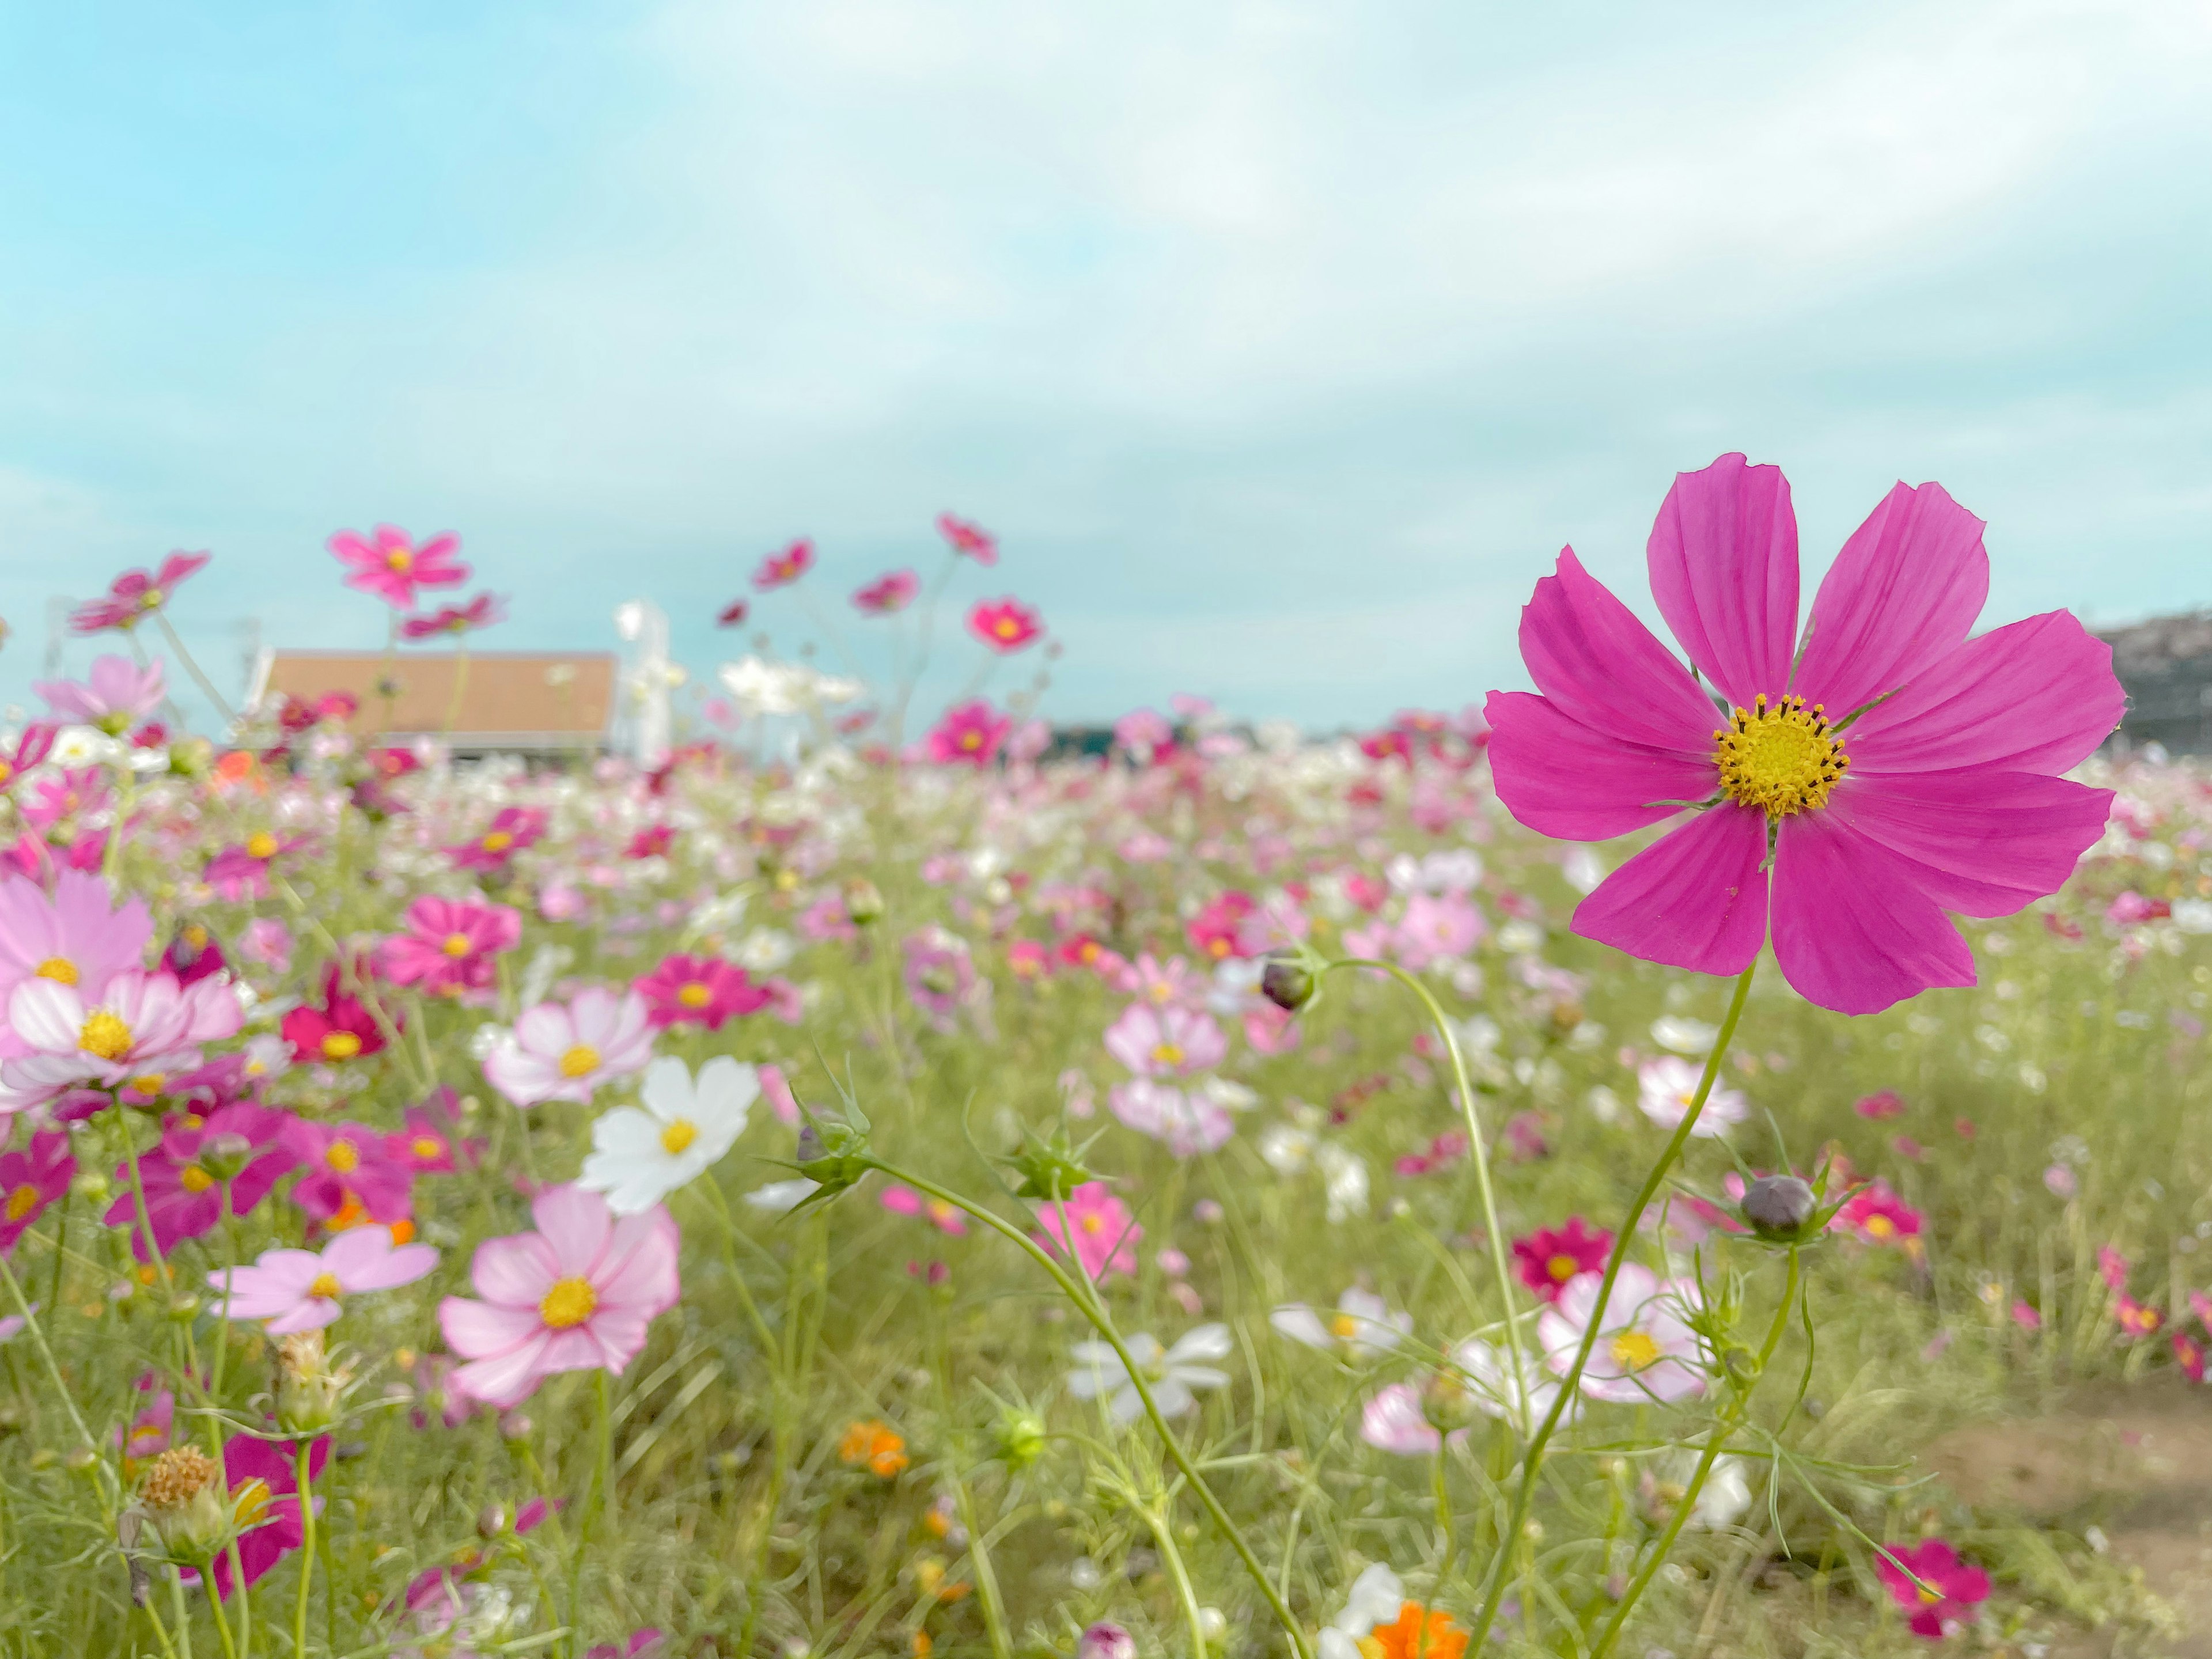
pixel 851 1195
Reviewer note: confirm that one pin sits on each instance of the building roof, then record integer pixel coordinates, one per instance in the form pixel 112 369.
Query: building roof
pixel 2160 644
pixel 510 700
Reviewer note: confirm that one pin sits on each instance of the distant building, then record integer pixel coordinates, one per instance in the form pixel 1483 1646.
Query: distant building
pixel 2166 664
pixel 523 702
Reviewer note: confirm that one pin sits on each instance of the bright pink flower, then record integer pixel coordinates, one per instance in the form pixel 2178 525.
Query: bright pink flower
pixel 2136 1319
pixel 79 936
pixel 2112 1267
pixel 349 1168
pixel 1876 1214
pixel 578 1294
pixel 1878 1106
pixel 511 830
pixel 888 593
pixel 565 1053
pixel 1888 771
pixel 1216 932
pixel 1549 1258
pixel 652 842
pixel 36 743
pixel 2025 1315
pixel 74 792
pixel 734 614
pixel 184 1176
pixel 481 611
pixel 1096 1226
pixel 972 539
pixel 428 1145
pixel 781 569
pixel 115 697
pixel 904 1201
pixel 2189 1354
pixel 341 1030
pixel 687 990
pixel 1005 625
pixel 135 595
pixel 1952 1586
pixel 971 734
pixel 241 871
pixel 387 563
pixel 1027 959
pixel 259 1475
pixel 298 1290
pixel 31 1179
pixel 1170 1041
pixel 449 945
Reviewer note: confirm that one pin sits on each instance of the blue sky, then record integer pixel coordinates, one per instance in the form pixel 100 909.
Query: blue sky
pixel 1283 343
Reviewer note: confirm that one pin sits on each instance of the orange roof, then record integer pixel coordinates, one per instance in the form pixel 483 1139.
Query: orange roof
pixel 511 699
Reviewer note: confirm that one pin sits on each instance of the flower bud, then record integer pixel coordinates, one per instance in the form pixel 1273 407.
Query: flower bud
pixel 224 1155
pixel 1780 1207
pixel 185 1504
pixel 1019 1438
pixel 864 902
pixel 1446 1404
pixel 1286 983
pixel 309 1385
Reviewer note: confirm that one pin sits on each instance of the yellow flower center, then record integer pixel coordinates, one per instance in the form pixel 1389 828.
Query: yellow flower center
pixel 456 945
pixel 150 599
pixel 1928 1597
pixel 197 937
pixel 1880 1227
pixel 569 1302
pixel 194 1179
pixel 1008 628
pixel 693 995
pixel 1632 1350
pixel 678 1135
pixel 497 842
pixel 1344 1327
pixel 1092 1223
pixel 1167 1054
pixel 971 740
pixel 176 1478
pixel 149 1083
pixel 580 1061
pixel 60 969
pixel 105 1035
pixel 22 1202
pixel 1780 760
pixel 340 1045
pixel 424 1146
pixel 343 1156
pixel 327 1286
pixel 399 559
pixel 1561 1267
pixel 261 845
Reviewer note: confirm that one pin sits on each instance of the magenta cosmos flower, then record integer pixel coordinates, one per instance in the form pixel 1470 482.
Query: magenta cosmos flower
pixel 135 595
pixel 888 593
pixel 1095 1227
pixel 557 1053
pixel 971 540
pixel 575 1295
pixel 31 1179
pixel 971 734
pixel 388 563
pixel 689 990
pixel 1005 625
pixel 300 1289
pixel 1947 1587
pixel 1885 768
pixel 266 1498
pixel 449 945
pixel 115 697
pixel 481 611
pixel 512 830
pixel 781 569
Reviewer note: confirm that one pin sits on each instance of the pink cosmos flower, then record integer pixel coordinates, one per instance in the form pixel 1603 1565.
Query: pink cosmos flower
pixel 78 936
pixel 76 792
pixel 298 1290
pixel 1875 1214
pixel 557 1053
pixel 139 1026
pixel 350 1169
pixel 430 1145
pixel 971 539
pixel 512 830
pixel 689 990
pixel 184 1175
pixel 1187 1122
pixel 343 1028
pixel 734 614
pixel 1667 1085
pixel 1156 1041
pixel 481 611
pixel 1887 1104
pixel 1163 984
pixel 1952 1585
pixel 2112 1267
pixel 115 697
pixel 971 734
pixel 36 743
pixel 2189 1354
pixel 1551 1258
pixel 387 563
pixel 1095 1226
pixel 449 945
pixel 31 1179
pixel 1645 1348
pixel 1217 931
pixel 904 1201
pixel 781 569
pixel 241 871
pixel 1886 770
pixel 268 943
pixel 2135 1319
pixel 1437 928
pixel 262 1489
pixel 578 1294
pixel 888 593
pixel 1005 625
pixel 135 595
pixel 1391 1419
pixel 939 974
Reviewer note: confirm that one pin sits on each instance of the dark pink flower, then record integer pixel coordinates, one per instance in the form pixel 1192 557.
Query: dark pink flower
pixel 904 1201
pixel 971 539
pixel 241 871
pixel 689 990
pixel 1878 1106
pixel 1886 770
pixel 431 1144
pixel 1005 625
pixel 481 611
pixel 732 615
pixel 1946 1586
pixel 135 595
pixel 346 1165
pixel 781 569
pixel 388 563
pixel 1549 1257
pixel 259 1475
pixel 31 1179
pixel 971 734
pixel 1877 1215
pixel 449 945
pixel 514 829
pixel 184 1175
pixel 888 593
pixel 343 1028
pixel 1216 932
pixel 1095 1226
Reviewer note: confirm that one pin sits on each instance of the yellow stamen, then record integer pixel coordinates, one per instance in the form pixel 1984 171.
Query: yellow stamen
pixel 1880 1227
pixel 105 1035
pixel 343 1156
pixel 399 559
pixel 456 945
pixel 340 1045
pixel 1780 760
pixel 569 1302
pixel 1561 1267
pixel 693 995
pixel 678 1135
pixel 1344 1327
pixel 424 1146
pixel 1167 1054
pixel 1632 1350
pixel 326 1286
pixel 194 1179
pixel 22 1202
pixel 497 842
pixel 580 1061
pixel 261 845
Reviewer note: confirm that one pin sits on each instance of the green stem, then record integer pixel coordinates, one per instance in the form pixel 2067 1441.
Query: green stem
pixel 61 1388
pixel 1091 1311
pixel 222 707
pixel 1730 1419
pixel 1480 1154
pixel 1189 1596
pixel 600 1465
pixel 180 1610
pixel 304 1478
pixel 1532 1461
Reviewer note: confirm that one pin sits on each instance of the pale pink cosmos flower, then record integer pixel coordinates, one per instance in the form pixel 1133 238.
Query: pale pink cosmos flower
pixel 135 595
pixel 1173 983
pixel 578 1294
pixel 79 936
pixel 1167 1041
pixel 1391 1419
pixel 300 1289
pixel 1096 1226
pixel 388 563
pixel 1143 732
pixel 1668 1083
pixel 888 593
pixel 565 1053
pixel 1646 1349
pixel 1885 768
pixel 1186 1121
pixel 1437 928
pixel 116 695
pixel 140 1027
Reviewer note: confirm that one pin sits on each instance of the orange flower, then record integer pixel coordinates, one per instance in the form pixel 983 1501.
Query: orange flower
pixel 876 1445
pixel 1418 1634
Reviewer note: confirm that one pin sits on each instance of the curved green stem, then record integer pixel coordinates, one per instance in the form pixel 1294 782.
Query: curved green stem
pixel 303 1476
pixel 1480 1154
pixel 1532 1461
pixel 1090 1309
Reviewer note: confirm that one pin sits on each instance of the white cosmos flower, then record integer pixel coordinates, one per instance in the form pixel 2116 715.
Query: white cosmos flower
pixel 1376 1598
pixel 1362 1326
pixel 779 1197
pixel 1668 1085
pixel 641 1154
pixel 1173 1373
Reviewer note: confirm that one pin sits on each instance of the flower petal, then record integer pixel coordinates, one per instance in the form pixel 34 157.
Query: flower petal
pixel 1724 563
pixel 1603 668
pixel 575 1225
pixel 482 1330
pixel 514 1272
pixel 1854 928
pixel 1562 778
pixel 2035 696
pixel 1695 898
pixel 1900 597
pixel 1981 843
